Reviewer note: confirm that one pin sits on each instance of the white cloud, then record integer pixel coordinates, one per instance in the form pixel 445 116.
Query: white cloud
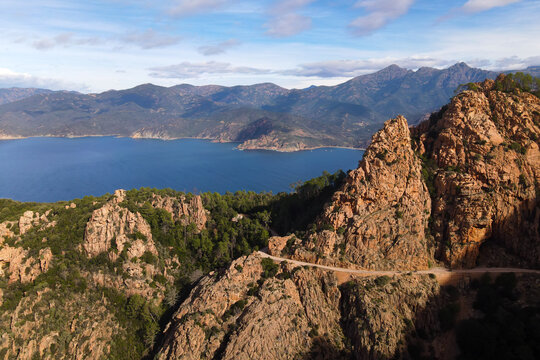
pixel 335 69
pixel 473 6
pixel 187 70
pixel 516 63
pixel 380 13
pixel 10 78
pixel 351 68
pixel 64 40
pixel 150 39
pixel 220 48
pixel 285 20
pixel 191 7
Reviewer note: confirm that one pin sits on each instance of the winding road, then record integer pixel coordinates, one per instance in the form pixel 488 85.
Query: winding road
pixel 439 272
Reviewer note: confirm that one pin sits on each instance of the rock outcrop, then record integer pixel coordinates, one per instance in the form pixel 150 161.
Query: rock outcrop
pixel 17 265
pixel 6 230
pixel 485 171
pixel 298 313
pixel 30 219
pixel 110 228
pixel 465 180
pixel 378 219
pixel 243 315
pixel 185 210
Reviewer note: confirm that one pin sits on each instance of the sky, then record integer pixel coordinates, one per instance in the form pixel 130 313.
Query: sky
pixel 97 45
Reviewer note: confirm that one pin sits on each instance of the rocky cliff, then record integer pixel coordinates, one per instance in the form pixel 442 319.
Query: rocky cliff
pixel 482 152
pixel 378 219
pixel 459 188
pixel 260 310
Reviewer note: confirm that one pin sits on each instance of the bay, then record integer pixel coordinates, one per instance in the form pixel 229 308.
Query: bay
pixel 53 169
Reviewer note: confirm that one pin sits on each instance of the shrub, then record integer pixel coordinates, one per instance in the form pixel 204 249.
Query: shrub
pixel 235 308
pixel 517 147
pixel 270 268
pixel 382 280
pixel 149 258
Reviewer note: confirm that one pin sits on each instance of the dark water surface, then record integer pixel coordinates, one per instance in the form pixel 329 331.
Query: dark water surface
pixel 53 169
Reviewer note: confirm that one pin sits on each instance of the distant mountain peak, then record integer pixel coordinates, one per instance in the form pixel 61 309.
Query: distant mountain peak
pixel 460 65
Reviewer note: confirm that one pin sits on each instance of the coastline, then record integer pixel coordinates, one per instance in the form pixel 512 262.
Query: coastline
pixel 238 147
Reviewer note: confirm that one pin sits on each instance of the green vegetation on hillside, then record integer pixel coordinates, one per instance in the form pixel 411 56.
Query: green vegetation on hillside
pixel 519 80
pixel 237 224
pixel 510 83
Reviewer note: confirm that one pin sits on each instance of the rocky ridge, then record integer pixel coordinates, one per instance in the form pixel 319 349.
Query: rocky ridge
pixel 64 310
pixel 379 218
pixel 466 177
pixel 294 312
pixel 343 115
pixel 484 146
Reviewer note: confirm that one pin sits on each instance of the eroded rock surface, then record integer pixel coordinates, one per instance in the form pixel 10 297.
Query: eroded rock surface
pixel 185 210
pixel 486 172
pixel 240 315
pixel 113 223
pixel 378 219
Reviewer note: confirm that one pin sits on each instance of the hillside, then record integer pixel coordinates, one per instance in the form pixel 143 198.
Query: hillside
pixel 343 115
pixel 163 274
pixel 8 95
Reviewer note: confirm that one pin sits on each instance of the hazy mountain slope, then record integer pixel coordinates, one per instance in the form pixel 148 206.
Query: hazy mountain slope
pixel 341 115
pixel 14 94
pixel 533 70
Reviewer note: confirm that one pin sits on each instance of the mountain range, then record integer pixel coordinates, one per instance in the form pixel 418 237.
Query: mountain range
pixel 259 116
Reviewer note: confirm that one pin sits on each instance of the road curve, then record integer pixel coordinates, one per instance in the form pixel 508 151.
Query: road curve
pixel 436 271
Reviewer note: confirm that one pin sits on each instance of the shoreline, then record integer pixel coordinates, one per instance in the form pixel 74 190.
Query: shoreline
pixel 15 137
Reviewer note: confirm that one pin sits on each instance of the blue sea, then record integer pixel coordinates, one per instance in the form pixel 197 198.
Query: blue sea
pixel 53 169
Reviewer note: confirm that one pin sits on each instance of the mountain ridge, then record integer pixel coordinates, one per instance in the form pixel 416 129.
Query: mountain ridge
pixel 346 114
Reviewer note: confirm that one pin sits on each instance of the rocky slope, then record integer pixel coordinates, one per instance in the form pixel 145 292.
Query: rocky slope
pixel 378 219
pixel 79 280
pixel 256 311
pixel 465 178
pixel 483 152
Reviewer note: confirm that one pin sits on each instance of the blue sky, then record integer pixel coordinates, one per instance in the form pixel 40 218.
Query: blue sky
pixel 96 45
